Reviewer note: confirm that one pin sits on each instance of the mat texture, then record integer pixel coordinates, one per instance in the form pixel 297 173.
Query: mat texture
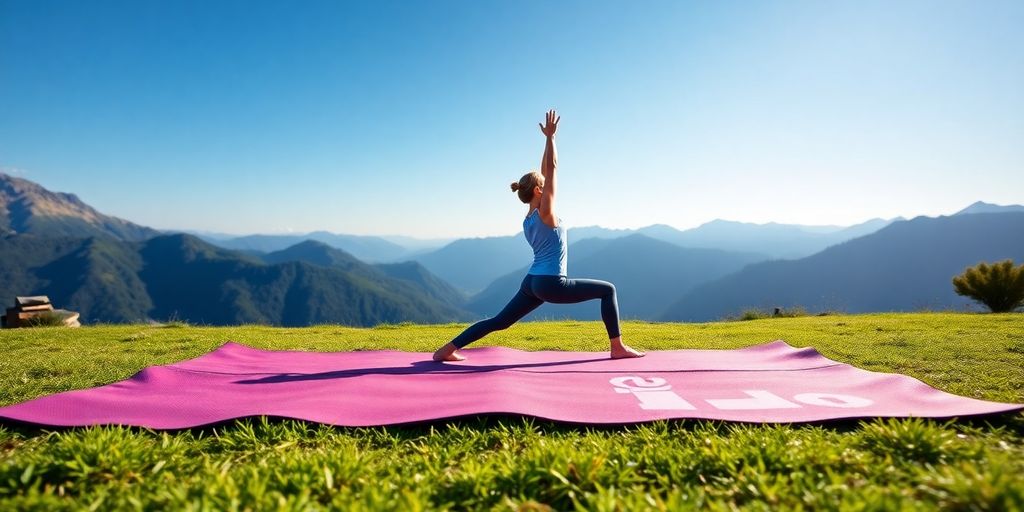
pixel 773 383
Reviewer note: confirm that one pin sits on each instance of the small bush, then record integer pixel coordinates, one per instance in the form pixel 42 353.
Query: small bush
pixel 753 314
pixel 999 286
pixel 758 314
pixel 791 312
pixel 47 319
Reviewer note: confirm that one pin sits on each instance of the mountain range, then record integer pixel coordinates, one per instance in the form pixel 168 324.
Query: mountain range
pixel 182 277
pixel 906 266
pixel 471 264
pixel 112 270
pixel 776 241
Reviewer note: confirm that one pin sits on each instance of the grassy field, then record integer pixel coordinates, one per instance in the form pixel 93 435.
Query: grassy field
pixel 516 463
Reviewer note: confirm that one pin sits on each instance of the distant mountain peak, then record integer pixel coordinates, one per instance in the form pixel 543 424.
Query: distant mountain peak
pixel 315 252
pixel 316 247
pixel 188 247
pixel 310 244
pixel 27 207
pixel 33 197
pixel 188 241
pixel 983 207
pixel 720 222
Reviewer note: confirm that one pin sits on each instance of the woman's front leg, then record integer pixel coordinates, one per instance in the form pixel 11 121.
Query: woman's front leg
pixel 569 291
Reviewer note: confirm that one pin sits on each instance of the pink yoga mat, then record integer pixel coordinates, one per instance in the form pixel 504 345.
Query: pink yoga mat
pixel 773 383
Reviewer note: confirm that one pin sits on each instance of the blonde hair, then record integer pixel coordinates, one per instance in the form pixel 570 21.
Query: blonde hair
pixel 526 184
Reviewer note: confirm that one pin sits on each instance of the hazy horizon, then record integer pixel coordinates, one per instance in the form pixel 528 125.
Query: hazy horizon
pixel 398 119
pixel 680 228
pixel 427 239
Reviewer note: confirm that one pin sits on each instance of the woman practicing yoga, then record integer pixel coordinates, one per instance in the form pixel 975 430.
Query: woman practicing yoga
pixel 547 280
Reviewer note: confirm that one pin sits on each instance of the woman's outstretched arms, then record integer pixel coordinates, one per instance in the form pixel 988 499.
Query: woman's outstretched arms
pixel 548 164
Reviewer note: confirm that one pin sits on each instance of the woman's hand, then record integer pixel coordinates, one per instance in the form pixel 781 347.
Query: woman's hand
pixel 551 125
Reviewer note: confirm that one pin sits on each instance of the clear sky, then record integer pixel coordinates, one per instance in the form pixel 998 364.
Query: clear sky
pixel 413 118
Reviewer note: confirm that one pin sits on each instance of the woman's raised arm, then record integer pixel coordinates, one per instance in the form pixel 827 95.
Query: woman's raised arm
pixel 548 164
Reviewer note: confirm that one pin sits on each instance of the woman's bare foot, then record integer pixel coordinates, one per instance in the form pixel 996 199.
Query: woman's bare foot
pixel 448 353
pixel 620 350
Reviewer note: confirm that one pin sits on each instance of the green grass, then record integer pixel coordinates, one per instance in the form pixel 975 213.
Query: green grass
pixel 514 463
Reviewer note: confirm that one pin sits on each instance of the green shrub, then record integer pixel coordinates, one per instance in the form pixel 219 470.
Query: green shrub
pixel 753 314
pixel 758 314
pixel 1000 286
pixel 791 312
pixel 47 319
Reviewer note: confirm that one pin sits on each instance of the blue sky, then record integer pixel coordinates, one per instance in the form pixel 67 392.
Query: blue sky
pixel 413 118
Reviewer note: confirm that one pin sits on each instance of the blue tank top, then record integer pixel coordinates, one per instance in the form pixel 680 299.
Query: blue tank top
pixel 550 246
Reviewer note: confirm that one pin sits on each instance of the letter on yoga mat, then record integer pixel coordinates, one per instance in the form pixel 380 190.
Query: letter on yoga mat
pixel 759 399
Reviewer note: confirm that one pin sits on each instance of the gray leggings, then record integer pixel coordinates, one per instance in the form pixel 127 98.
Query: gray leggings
pixel 536 290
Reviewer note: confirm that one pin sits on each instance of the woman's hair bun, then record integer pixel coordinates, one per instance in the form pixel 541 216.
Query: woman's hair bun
pixel 515 186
